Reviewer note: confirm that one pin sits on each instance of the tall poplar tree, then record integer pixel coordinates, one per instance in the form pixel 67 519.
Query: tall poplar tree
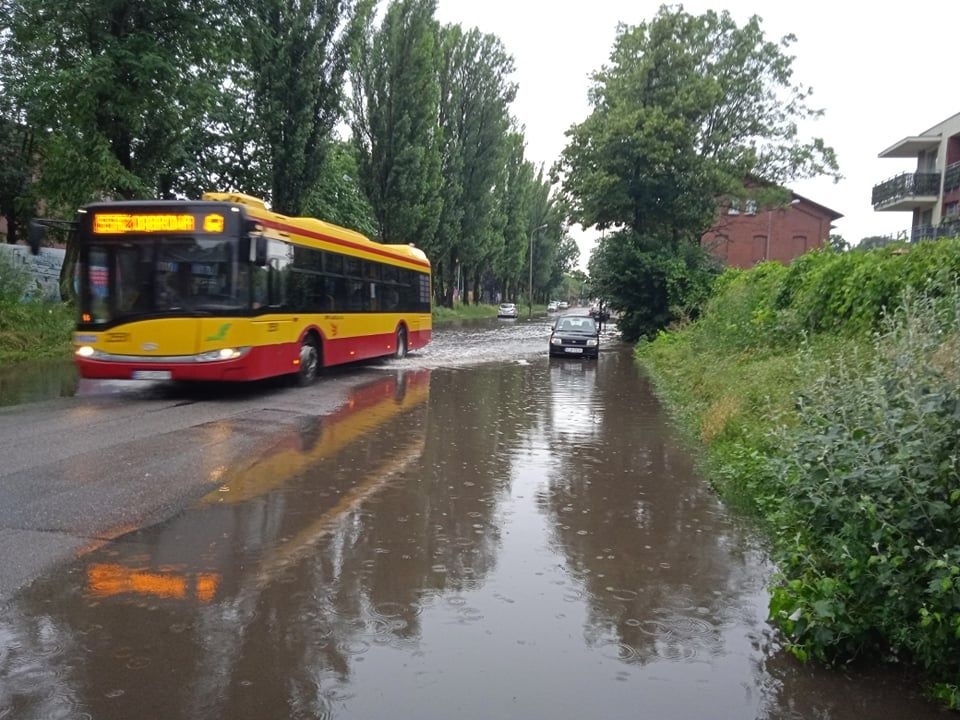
pixel 474 121
pixel 395 121
pixel 297 52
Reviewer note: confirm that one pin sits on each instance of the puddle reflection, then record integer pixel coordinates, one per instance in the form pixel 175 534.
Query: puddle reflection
pixel 512 540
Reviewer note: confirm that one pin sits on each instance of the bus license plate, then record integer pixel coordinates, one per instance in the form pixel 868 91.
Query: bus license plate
pixel 152 375
pixel 573 350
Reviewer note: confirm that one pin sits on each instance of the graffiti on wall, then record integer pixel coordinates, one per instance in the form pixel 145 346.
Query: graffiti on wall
pixel 44 268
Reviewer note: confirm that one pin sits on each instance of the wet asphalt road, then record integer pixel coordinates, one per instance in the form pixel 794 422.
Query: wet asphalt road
pixel 475 532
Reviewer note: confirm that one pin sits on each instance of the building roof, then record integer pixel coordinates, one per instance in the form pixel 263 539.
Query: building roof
pixel 911 145
pixel 929 139
pixel 832 214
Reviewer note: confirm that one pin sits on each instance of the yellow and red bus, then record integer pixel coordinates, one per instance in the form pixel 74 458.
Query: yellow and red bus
pixel 225 289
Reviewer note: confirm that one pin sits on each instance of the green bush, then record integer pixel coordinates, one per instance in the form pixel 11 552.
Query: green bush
pixel 870 518
pixel 30 328
pixel 828 394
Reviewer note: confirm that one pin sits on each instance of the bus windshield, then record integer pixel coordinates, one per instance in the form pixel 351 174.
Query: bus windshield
pixel 161 275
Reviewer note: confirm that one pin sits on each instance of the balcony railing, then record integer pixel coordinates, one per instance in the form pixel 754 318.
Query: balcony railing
pixel 951 177
pixel 906 185
pixel 947 228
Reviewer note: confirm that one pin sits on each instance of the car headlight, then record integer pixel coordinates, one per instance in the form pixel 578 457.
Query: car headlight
pixel 555 341
pixel 592 342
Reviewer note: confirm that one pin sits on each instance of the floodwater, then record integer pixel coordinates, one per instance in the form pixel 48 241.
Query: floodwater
pixel 22 383
pixel 467 537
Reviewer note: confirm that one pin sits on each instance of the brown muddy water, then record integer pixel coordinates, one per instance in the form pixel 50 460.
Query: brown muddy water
pixel 505 540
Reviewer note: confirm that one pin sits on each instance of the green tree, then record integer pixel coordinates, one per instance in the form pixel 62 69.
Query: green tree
pixel 474 122
pixel 651 283
pixel 297 52
pixel 16 168
pixel 395 120
pixel 837 243
pixel 111 88
pixel 876 241
pixel 690 108
pixel 513 198
pixel 337 197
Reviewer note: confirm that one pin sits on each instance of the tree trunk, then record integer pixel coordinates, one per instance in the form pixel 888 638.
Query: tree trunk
pixel 12 228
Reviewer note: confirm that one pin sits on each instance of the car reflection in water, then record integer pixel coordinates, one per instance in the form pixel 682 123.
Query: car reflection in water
pixel 576 410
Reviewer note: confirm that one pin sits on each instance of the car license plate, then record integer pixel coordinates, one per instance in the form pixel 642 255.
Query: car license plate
pixel 573 350
pixel 152 375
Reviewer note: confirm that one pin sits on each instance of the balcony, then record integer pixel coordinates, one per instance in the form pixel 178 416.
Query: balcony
pixel 907 191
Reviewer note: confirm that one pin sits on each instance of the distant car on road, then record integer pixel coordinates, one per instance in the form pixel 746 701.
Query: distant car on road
pixel 553 306
pixel 507 310
pixel 564 304
pixel 575 335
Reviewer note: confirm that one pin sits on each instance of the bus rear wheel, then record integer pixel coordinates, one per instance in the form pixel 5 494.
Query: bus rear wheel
pixel 401 347
pixel 309 362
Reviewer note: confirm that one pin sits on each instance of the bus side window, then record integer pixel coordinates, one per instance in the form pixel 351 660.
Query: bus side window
pixel 261 286
pixel 278 295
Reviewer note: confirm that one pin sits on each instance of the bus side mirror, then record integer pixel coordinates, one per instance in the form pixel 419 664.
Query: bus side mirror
pixel 35 236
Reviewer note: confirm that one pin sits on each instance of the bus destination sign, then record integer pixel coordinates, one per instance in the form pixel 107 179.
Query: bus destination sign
pixel 137 223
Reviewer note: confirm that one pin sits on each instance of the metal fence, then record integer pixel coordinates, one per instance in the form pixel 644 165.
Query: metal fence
pixel 906 185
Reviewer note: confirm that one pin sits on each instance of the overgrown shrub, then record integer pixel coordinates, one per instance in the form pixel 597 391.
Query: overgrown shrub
pixel 30 328
pixel 828 394
pixel 853 290
pixel 870 515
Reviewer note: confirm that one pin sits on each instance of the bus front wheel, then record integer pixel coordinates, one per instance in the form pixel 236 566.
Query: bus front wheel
pixel 401 351
pixel 309 362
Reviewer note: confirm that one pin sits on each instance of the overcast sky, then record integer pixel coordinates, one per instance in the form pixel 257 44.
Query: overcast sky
pixel 880 71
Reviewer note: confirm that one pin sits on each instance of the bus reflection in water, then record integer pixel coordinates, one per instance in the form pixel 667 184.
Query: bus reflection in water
pixel 270 514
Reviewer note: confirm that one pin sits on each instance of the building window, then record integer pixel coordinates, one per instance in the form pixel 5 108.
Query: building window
pixel 951 210
pixel 751 207
pixel 734 208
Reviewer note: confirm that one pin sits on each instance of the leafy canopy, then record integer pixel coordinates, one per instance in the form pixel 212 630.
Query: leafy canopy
pixel 689 107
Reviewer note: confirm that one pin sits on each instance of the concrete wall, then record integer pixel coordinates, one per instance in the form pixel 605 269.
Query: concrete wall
pixel 45 267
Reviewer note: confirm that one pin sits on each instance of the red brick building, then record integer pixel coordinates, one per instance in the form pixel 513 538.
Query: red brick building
pixel 745 234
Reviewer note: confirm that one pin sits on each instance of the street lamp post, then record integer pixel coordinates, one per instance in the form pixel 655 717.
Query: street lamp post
pixel 530 286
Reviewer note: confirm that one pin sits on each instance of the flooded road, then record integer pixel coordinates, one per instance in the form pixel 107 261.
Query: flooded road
pixel 476 532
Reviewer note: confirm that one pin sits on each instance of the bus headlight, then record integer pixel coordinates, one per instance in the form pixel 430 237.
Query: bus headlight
pixel 85 351
pixel 222 354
